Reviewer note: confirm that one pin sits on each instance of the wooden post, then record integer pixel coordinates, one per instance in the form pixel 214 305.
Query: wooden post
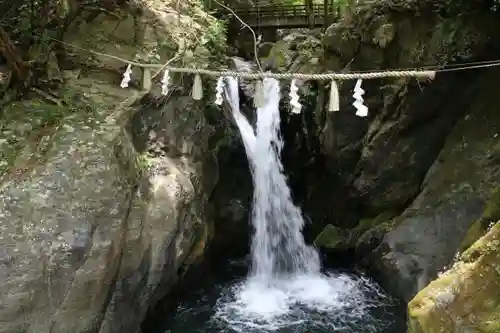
pixel 310 12
pixel 326 5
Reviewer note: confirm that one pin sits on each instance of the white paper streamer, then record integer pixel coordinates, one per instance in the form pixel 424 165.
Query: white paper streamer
pixel 294 97
pixel 126 77
pixel 197 92
pixel 219 90
pixel 362 110
pixel 164 82
pixel 334 97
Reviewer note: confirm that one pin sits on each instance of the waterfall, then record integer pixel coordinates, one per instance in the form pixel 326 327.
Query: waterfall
pixel 278 247
pixel 285 287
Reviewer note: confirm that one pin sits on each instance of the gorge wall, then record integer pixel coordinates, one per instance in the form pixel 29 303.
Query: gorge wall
pixel 104 190
pixel 426 163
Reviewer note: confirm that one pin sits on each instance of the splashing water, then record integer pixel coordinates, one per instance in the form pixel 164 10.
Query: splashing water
pixel 285 287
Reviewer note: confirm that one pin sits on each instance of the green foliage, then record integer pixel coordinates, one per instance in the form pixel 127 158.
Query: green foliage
pixel 215 41
pixel 491 214
pixel 19 127
pixel 30 22
pixel 26 123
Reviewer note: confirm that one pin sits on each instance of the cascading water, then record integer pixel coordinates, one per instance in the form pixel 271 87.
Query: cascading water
pixel 278 247
pixel 285 290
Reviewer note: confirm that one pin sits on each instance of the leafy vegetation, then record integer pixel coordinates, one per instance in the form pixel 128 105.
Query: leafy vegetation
pixel 28 22
pixel 31 114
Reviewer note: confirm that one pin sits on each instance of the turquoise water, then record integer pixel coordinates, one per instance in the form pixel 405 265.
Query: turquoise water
pixel 211 308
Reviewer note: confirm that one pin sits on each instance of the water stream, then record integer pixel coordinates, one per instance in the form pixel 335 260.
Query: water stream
pixel 285 289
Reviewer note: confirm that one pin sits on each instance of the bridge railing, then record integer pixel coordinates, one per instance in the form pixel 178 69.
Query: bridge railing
pixel 281 11
pixel 282 15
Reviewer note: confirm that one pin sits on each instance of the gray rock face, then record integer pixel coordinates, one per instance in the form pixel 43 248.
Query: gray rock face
pixel 413 253
pixel 98 218
pixel 232 202
pixel 63 223
pixel 426 151
pixel 95 234
pixel 386 155
pixel 430 231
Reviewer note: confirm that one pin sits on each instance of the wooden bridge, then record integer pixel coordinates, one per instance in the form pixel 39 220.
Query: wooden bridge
pixel 285 16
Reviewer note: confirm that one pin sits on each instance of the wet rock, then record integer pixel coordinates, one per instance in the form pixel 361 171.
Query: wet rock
pixel 231 200
pixel 464 298
pixel 99 222
pixel 333 238
pixel 370 231
pixel 385 156
pixel 430 231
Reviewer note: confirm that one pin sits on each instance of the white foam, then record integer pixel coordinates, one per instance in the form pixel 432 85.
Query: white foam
pixel 334 302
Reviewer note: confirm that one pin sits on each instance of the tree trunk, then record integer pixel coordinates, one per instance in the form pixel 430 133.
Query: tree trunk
pixel 13 57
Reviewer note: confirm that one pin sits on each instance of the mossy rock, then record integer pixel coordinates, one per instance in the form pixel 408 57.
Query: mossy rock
pixel 333 238
pixel 370 231
pixel 372 237
pixel 465 298
pixel 25 124
pixel 295 52
pixel 480 226
pixel 369 222
pixel 492 208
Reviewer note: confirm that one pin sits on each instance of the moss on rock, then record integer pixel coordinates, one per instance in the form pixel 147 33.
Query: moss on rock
pixel 480 226
pixel 369 222
pixel 370 231
pixel 333 238
pixel 467 297
pixel 366 235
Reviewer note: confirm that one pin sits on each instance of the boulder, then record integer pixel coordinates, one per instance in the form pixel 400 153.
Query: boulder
pixel 333 238
pixel 465 298
pixel 363 238
pixel 428 234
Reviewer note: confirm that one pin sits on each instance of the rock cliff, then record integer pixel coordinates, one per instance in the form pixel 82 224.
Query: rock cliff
pixel 103 189
pixel 418 168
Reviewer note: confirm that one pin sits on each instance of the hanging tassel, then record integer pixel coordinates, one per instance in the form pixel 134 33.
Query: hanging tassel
pixel 197 92
pixel 294 97
pixel 164 82
pixel 258 97
pixel 334 97
pixel 219 89
pixel 126 77
pixel 362 110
